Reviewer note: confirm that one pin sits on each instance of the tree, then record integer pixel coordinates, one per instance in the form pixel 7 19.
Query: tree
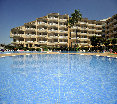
pixel 114 41
pixel 75 17
pixel 94 41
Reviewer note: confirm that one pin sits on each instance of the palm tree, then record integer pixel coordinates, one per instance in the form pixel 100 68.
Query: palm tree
pixel 69 25
pixel 73 20
pixel 76 16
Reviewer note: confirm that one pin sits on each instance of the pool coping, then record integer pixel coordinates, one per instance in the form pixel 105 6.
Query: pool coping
pixel 108 54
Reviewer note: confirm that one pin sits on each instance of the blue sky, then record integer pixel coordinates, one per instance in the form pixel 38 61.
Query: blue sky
pixel 14 13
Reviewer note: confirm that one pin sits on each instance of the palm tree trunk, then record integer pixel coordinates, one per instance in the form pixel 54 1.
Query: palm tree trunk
pixel 69 37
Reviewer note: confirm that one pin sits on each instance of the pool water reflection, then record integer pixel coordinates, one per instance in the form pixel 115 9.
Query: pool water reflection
pixel 58 79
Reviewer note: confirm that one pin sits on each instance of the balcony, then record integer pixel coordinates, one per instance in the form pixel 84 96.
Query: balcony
pixel 91 34
pixel 42 23
pixel 115 26
pixel 98 25
pixel 83 33
pixel 115 31
pixel 50 37
pixel 91 24
pixel 98 35
pixel 51 43
pixel 84 39
pixel 29 41
pixel 114 20
pixel 53 18
pixel 62 20
pixel 21 42
pixel 91 29
pixel 74 27
pixel 30 29
pixel 42 30
pixel 53 30
pixel 53 24
pixel 98 30
pixel 62 25
pixel 62 42
pixel 17 35
pixel 73 38
pixel 42 36
pixel 17 42
pixel 83 44
pixel 73 32
pixel 63 37
pixel 56 43
pixel 30 34
pixel 82 23
pixel 42 41
pixel 62 31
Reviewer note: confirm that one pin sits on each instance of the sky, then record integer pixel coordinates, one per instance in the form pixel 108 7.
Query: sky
pixel 14 13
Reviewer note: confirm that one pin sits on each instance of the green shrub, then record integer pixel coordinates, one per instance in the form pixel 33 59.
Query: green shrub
pixel 38 49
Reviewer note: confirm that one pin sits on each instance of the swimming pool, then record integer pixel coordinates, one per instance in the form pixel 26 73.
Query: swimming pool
pixel 58 79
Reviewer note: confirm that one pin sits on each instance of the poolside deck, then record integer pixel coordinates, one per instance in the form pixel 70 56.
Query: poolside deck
pixel 97 54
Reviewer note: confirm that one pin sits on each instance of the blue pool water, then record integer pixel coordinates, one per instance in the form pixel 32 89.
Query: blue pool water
pixel 58 79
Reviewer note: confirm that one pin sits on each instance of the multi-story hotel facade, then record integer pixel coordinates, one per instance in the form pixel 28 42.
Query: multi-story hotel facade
pixel 51 31
pixel 111 27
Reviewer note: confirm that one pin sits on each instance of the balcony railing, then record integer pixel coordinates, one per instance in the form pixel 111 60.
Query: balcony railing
pixel 83 44
pixel 98 25
pixel 29 41
pixel 42 30
pixel 42 41
pixel 115 25
pixel 91 24
pixel 18 42
pixel 73 32
pixel 91 29
pixel 63 37
pixel 91 34
pixel 63 31
pixel 42 23
pixel 53 30
pixel 62 25
pixel 42 36
pixel 53 24
pixel 30 34
pixel 83 33
pixel 98 30
pixel 62 42
pixel 73 38
pixel 98 35
pixel 62 20
pixel 82 22
pixel 53 18
pixel 30 28
pixel 83 39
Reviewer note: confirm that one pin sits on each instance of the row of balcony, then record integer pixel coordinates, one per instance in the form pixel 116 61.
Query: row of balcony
pixel 80 23
pixel 86 29
pixel 80 44
pixel 49 43
pixel 80 38
pixel 72 28
pixel 41 42
pixel 45 35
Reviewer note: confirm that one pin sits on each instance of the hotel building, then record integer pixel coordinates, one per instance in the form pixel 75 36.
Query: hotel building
pixel 111 27
pixel 51 31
